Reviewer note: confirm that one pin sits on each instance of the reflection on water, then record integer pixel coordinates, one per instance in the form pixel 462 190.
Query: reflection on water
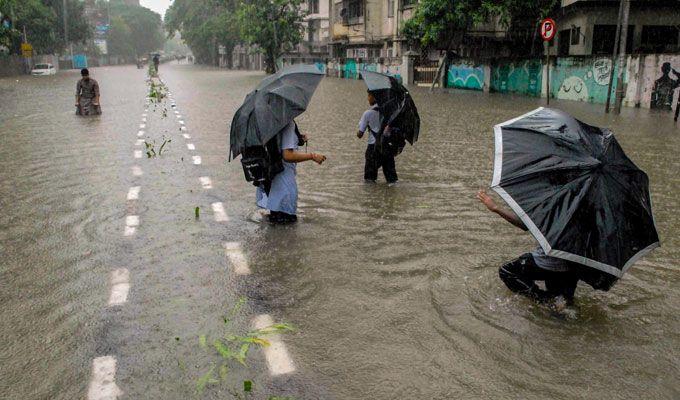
pixel 394 289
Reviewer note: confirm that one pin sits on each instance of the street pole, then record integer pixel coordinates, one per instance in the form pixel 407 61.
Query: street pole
pixel 614 57
pixel 546 46
pixel 622 56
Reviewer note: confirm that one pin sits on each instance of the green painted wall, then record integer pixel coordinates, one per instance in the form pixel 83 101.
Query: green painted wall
pixel 581 79
pixel 522 77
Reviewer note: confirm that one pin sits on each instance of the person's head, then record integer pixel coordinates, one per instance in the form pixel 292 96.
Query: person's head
pixel 371 99
pixel 85 73
pixel 666 68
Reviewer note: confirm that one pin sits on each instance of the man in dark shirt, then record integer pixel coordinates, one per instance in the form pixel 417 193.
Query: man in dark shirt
pixel 87 95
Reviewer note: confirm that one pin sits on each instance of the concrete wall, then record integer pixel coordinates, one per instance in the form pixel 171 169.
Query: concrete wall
pixel 351 68
pixel 465 75
pixel 521 77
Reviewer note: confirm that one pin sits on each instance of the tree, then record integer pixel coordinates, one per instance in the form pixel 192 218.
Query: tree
pixel 43 23
pixel 441 22
pixel 273 25
pixel 144 25
pixel 120 38
pixel 204 25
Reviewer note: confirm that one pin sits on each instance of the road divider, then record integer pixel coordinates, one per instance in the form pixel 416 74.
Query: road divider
pixel 219 213
pixel 205 182
pixel 120 286
pixel 276 354
pixel 237 258
pixel 196 159
pixel 133 193
pixel 131 224
pixel 103 384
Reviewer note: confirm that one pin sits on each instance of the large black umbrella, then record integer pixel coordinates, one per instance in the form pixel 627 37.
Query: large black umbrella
pixel 395 103
pixel 575 190
pixel 276 101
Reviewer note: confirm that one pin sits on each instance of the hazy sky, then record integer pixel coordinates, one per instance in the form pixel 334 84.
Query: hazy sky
pixel 158 6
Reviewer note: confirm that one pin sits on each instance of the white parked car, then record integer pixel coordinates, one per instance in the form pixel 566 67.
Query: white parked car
pixel 43 69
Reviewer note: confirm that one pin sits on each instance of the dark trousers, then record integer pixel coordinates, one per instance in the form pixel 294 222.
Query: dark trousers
pixel 375 161
pixel 521 275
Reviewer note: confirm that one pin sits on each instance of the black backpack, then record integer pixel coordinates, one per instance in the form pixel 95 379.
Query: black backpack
pixel 262 163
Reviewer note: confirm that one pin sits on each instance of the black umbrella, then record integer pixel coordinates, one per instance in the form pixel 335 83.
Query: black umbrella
pixel 575 190
pixel 276 101
pixel 395 103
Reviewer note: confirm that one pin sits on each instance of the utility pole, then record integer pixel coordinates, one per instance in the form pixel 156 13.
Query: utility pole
pixel 614 57
pixel 622 56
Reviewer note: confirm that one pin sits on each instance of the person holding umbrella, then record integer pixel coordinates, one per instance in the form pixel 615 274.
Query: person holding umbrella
pixel 587 204
pixel 281 200
pixel 392 120
pixel 264 132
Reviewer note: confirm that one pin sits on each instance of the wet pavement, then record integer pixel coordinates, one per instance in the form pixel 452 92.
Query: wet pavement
pixel 393 291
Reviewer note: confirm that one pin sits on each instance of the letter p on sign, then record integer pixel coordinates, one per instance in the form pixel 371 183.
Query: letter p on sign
pixel 548 29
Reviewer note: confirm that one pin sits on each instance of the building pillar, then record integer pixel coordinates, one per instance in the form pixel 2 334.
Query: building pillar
pixel 407 65
pixel 487 79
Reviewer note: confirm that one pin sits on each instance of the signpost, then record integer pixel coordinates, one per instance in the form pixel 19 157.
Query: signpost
pixel 548 29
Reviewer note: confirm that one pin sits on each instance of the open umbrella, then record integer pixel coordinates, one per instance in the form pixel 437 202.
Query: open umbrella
pixel 276 101
pixel 395 103
pixel 575 190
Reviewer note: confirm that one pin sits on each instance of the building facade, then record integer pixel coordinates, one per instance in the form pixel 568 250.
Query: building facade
pixel 314 46
pixel 588 27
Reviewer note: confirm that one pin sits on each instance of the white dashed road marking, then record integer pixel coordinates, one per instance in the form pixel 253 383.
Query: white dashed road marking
pixel 191 146
pixel 276 354
pixel 205 182
pixel 197 159
pixel 142 126
pixel 186 136
pixel 183 128
pixel 237 258
pixel 133 193
pixel 120 286
pixel 131 224
pixel 139 142
pixel 219 213
pixel 136 171
pixel 138 154
pixel 140 133
pixel 103 384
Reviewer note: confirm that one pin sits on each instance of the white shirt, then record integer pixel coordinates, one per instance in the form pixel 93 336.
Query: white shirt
pixel 371 119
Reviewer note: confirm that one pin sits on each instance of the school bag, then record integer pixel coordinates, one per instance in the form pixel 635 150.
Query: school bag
pixel 261 164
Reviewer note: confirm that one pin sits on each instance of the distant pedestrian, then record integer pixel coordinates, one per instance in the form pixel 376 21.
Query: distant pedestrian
pixel 281 201
pixel 371 120
pixel 156 62
pixel 520 276
pixel 87 95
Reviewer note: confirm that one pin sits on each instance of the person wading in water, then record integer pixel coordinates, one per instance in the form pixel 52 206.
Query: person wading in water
pixel 87 95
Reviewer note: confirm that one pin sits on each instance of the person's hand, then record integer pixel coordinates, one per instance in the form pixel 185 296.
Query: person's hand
pixel 360 134
pixel 487 200
pixel 318 158
pixel 304 138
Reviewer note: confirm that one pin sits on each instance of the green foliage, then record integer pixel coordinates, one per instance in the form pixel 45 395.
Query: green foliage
pixel 43 20
pixel 273 25
pixel 233 349
pixel 440 22
pixel 204 25
pixel 134 32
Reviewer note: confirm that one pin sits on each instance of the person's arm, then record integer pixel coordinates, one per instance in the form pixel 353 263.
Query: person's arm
pixel 78 93
pixel 292 156
pixel 363 124
pixel 96 93
pixel 509 216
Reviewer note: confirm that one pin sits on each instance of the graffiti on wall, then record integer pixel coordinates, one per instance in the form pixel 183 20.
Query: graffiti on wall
pixel 664 88
pixel 465 76
pixel 524 77
pixel 581 80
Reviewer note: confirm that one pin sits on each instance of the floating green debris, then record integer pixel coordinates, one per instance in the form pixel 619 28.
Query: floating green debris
pixel 197 212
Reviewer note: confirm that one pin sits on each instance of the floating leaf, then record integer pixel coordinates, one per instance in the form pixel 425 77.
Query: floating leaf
pixel 203 341
pixel 247 386
pixel 206 379
pixel 224 370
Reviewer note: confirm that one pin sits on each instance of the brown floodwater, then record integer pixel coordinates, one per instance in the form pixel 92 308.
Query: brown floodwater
pixel 393 290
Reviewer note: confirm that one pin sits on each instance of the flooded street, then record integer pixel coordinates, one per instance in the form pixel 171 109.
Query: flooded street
pixel 393 291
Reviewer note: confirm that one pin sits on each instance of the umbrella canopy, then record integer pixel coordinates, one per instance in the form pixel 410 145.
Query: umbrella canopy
pixel 395 102
pixel 575 190
pixel 276 101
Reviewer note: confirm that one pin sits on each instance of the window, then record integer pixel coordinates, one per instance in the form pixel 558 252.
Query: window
pixel 313 6
pixel 604 36
pixel 390 8
pixel 563 39
pixel 408 3
pixel 659 39
pixel 575 34
pixel 352 12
